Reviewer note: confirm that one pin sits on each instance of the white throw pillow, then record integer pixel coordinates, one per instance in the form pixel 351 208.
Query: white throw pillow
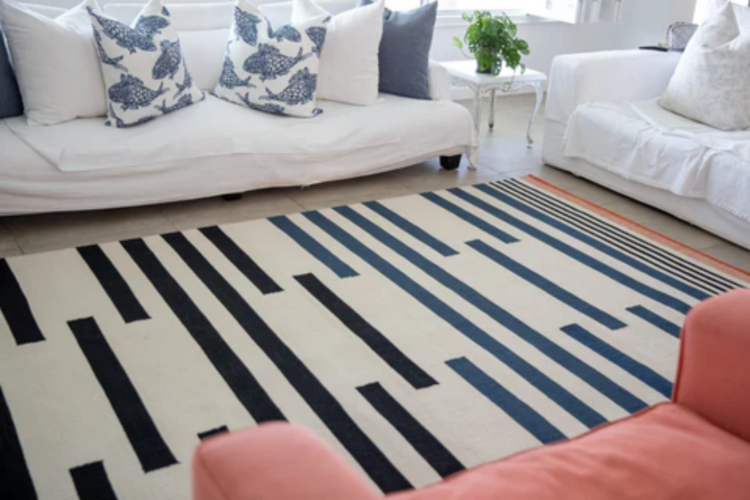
pixel 56 64
pixel 281 12
pixel 143 68
pixel 185 16
pixel 349 64
pixel 269 69
pixel 710 84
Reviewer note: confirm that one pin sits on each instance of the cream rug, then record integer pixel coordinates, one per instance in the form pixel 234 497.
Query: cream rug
pixel 419 336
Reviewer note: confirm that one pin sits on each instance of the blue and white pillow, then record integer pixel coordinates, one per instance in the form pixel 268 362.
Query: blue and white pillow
pixel 272 70
pixel 142 65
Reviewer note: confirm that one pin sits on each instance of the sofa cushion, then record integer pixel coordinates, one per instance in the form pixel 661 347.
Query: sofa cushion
pixel 10 97
pixel 273 69
pixel 405 50
pixel 710 83
pixel 56 64
pixel 664 452
pixel 349 64
pixel 142 64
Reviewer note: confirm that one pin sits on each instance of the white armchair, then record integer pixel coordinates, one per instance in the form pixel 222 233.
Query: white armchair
pixel 634 76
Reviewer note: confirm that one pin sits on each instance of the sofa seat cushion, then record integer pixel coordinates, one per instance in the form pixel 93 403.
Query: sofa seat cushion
pixel 644 143
pixel 82 165
pixel 663 452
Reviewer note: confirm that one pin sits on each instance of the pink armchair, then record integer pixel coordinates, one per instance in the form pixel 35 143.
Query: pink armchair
pixel 695 447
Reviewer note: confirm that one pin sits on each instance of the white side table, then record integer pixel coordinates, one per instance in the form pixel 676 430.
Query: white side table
pixel 464 73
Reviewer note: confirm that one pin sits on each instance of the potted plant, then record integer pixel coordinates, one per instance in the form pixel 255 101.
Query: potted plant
pixel 492 40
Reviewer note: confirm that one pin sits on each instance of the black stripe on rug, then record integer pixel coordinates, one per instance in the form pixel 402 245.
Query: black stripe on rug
pixel 151 449
pixel 234 372
pixel 320 400
pixel 113 283
pixel 15 308
pixel 241 260
pixel 383 347
pixel 213 432
pixel 618 238
pixel 419 437
pixel 92 483
pixel 15 478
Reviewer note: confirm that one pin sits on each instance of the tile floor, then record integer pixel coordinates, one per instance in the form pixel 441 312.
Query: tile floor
pixel 504 154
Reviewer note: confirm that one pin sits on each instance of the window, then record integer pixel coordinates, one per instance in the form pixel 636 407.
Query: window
pixel 460 5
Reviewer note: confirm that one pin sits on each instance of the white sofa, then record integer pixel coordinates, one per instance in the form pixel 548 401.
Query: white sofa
pixel 216 148
pixel 603 124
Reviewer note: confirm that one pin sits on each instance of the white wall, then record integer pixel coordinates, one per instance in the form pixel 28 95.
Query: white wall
pixel 644 22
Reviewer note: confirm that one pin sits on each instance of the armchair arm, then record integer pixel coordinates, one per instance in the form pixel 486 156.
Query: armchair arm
pixel 274 461
pixel 714 374
pixel 626 75
pixel 440 82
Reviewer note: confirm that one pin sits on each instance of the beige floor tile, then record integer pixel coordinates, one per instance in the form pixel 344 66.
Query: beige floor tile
pixel 215 210
pixel 688 234
pixel 429 176
pixel 731 254
pixel 332 194
pixel 8 245
pixel 640 213
pixel 41 233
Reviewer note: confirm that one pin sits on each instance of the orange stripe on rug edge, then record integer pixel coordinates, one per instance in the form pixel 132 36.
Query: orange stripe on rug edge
pixel 640 229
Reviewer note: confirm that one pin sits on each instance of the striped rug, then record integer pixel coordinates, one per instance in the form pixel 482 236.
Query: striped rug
pixel 419 336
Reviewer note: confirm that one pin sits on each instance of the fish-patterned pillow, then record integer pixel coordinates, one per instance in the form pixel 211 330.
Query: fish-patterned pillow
pixel 274 70
pixel 142 64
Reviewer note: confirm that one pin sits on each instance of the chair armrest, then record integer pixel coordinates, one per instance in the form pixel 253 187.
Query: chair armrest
pixel 626 75
pixel 714 374
pixel 440 82
pixel 276 461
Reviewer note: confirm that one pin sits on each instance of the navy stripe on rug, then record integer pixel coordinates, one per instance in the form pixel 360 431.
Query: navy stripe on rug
pixel 359 326
pixel 15 478
pixel 307 385
pixel 114 285
pixel 321 253
pixel 547 286
pixel 515 408
pixel 15 308
pixel 150 448
pixel 421 439
pixel 550 349
pixel 234 372
pixel 470 218
pixel 656 320
pixel 241 260
pixel 619 358
pixel 602 247
pixel 92 483
pixel 619 238
pixel 568 250
pixel 411 228
pixel 580 410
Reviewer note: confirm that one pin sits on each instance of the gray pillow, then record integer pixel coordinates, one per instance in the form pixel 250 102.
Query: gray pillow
pixel 10 97
pixel 405 50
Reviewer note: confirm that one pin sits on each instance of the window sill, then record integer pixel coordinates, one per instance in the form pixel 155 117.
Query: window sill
pixel 453 19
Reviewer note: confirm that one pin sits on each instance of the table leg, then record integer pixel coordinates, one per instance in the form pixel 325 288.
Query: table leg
pixel 492 110
pixel 477 108
pixel 539 96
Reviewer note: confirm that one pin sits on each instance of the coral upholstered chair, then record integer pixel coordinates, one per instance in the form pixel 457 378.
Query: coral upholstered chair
pixel 696 447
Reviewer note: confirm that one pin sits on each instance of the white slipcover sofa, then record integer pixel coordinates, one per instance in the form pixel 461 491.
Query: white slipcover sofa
pixel 216 148
pixel 603 123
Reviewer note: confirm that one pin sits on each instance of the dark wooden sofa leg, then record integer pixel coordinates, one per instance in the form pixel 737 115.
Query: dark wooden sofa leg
pixel 450 162
pixel 232 197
